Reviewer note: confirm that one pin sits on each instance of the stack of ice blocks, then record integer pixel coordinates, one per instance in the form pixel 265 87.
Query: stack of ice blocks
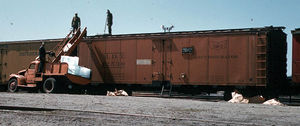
pixel 74 68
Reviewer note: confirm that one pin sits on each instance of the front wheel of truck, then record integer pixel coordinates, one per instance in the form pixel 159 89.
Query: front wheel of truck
pixel 12 85
pixel 49 85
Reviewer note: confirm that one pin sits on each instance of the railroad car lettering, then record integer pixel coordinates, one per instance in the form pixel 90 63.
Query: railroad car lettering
pixel 218 57
pixel 219 45
pixel 143 62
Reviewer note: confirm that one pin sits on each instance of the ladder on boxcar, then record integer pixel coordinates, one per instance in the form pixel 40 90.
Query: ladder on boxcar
pixel 68 44
pixel 261 60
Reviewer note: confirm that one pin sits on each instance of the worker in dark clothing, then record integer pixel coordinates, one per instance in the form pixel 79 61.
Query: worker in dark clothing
pixel 42 57
pixel 75 23
pixel 109 21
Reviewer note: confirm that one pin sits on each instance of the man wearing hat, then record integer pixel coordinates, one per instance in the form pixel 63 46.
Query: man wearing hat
pixel 75 22
pixel 42 57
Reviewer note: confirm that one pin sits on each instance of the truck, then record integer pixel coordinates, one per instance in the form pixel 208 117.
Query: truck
pixel 55 76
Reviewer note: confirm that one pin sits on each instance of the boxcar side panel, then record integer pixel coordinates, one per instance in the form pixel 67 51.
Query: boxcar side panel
pixel 252 59
pixel 215 60
pixel 180 61
pixel 89 56
pixel 92 54
pixel 143 61
pixel 157 60
pixel 112 56
pixel 238 60
pixel 296 57
pixel 128 61
pixel 198 61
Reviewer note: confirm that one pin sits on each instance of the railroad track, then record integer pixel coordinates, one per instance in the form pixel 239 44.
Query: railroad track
pixel 130 115
pixel 33 111
pixel 294 101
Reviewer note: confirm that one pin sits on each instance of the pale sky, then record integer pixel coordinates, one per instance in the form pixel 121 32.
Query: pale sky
pixel 49 19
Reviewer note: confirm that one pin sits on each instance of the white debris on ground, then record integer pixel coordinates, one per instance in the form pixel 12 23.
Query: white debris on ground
pixel 238 98
pixel 272 102
pixel 117 93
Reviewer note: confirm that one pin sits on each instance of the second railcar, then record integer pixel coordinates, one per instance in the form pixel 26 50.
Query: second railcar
pixel 17 55
pixel 296 56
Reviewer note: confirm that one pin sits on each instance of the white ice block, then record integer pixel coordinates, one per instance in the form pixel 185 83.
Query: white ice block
pixel 85 72
pixel 74 70
pixel 71 60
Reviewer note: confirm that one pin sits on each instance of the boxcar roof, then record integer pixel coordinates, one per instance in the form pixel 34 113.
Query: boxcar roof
pixel 163 34
pixel 31 41
pixel 188 33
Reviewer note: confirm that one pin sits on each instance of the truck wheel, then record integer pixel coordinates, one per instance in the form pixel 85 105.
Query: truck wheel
pixel 49 85
pixel 12 85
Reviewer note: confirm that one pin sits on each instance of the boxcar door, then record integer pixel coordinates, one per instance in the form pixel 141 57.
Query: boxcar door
pixel 161 60
pixel 167 59
pixel 157 60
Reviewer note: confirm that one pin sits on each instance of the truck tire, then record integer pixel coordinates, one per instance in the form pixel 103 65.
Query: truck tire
pixel 49 85
pixel 12 85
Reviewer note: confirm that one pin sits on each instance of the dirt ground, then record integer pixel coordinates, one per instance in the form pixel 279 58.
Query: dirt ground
pixel 66 109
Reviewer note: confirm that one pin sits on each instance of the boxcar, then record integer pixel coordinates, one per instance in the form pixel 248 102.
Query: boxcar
pixel 250 57
pixel 296 56
pixel 17 55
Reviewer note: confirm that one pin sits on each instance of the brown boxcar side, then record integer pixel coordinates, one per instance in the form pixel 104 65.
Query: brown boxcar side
pixel 236 57
pixel 296 56
pixel 233 57
pixel 15 56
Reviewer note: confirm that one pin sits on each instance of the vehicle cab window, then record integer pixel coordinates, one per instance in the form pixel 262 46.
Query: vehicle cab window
pixel 32 66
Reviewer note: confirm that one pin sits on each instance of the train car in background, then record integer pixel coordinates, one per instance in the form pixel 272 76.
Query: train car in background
pixel 15 56
pixel 296 56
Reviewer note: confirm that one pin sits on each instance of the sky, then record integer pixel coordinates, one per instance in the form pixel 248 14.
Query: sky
pixel 50 19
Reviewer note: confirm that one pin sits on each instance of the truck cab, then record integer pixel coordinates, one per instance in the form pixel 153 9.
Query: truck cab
pixel 24 78
pixel 31 73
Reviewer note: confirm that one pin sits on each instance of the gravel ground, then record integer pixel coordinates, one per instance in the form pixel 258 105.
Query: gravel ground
pixel 66 109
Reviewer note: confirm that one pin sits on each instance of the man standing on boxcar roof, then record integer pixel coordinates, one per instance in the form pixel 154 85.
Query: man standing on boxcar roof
pixel 109 21
pixel 75 22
